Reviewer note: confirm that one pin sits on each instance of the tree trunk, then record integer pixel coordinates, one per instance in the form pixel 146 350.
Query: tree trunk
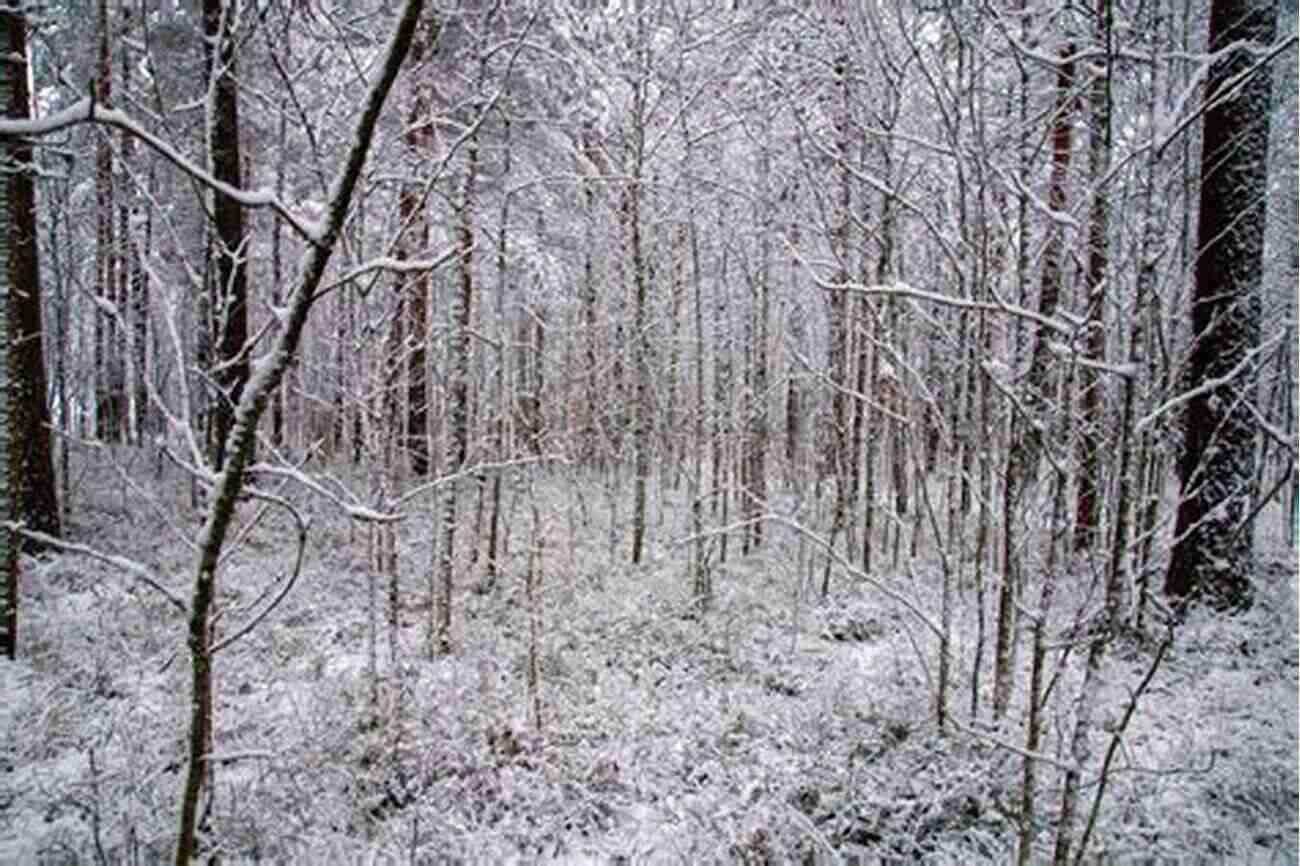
pixel 795 427
pixel 277 273
pixel 756 489
pixel 34 492
pixel 701 575
pixel 1037 667
pixel 230 308
pixel 501 424
pixel 106 417
pixel 723 388
pixel 457 435
pixel 415 287
pixel 1088 494
pixel 1213 553
pixel 1026 437
pixel 13 84
pixel 837 350
pixel 644 423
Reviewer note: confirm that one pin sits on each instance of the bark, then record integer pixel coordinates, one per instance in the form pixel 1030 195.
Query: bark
pixel 1088 495
pixel 277 273
pixel 794 404
pixel 837 354
pixel 130 392
pixel 230 308
pixel 457 436
pixel 12 79
pixel 702 579
pixel 501 424
pixel 1038 666
pixel 415 288
pixel 142 424
pixel 594 414
pixel 31 458
pixel 1133 446
pixel 107 418
pixel 756 489
pixel 643 421
pixel 672 440
pixel 536 625
pixel 723 387
pixel 641 349
pixel 1213 548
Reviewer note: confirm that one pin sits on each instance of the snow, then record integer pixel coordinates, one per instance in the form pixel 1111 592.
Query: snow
pixel 88 111
pixel 764 726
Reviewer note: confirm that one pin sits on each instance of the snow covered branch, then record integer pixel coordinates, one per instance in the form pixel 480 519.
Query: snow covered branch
pixel 87 110
pixel 137 570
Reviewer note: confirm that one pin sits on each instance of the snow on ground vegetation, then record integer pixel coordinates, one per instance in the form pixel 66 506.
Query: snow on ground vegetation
pixel 775 728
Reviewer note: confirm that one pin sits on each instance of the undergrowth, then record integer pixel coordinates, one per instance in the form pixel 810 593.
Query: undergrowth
pixel 776 727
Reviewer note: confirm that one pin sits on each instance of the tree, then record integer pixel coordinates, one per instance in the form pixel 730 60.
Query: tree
pixel 1088 496
pixel 413 290
pixel 1213 548
pixel 31 460
pixel 1026 436
pixel 12 79
pixel 108 415
pixel 230 290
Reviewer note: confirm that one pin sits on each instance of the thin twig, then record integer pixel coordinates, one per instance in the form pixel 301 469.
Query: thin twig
pixel 288 584
pixel 1115 740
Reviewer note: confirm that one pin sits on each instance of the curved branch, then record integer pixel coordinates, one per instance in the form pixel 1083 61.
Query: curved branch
pixel 256 620
pixel 86 110
pixel 130 566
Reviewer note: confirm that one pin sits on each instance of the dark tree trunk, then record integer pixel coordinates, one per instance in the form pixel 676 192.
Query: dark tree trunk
pixel 415 288
pixel 1213 548
pixel 230 307
pixel 35 496
pixel 106 417
pixel 12 82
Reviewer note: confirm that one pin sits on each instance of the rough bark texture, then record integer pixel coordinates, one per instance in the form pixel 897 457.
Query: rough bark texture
pixel 1212 556
pixel 9 78
pixel 31 460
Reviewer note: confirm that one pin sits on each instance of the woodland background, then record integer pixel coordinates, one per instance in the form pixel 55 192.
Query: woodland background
pixel 648 430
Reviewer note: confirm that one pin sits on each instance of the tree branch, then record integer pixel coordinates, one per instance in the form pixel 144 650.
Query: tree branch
pixel 137 570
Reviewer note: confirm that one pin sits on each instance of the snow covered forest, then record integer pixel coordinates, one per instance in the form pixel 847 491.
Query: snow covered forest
pixel 640 431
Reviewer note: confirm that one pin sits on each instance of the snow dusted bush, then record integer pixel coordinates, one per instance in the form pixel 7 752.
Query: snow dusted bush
pixel 772 729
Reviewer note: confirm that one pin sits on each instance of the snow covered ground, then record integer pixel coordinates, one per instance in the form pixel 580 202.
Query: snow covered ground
pixel 774 728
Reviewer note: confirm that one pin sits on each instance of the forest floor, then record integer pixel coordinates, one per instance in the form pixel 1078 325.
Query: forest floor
pixel 777 727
